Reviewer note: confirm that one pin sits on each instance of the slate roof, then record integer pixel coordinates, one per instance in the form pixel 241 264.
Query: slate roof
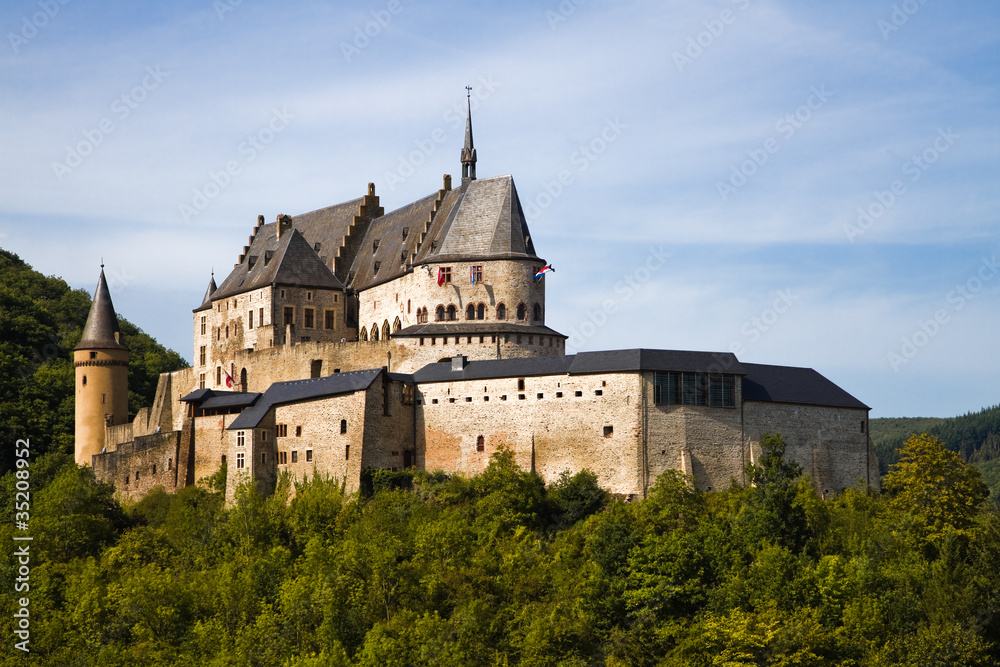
pixel 206 302
pixel 101 331
pixel 466 328
pixel 213 398
pixel 290 260
pixel 613 361
pixel 294 391
pixel 487 222
pixel 788 384
pixel 398 235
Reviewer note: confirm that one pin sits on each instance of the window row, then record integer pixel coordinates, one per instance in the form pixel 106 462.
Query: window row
pixel 709 389
pixel 519 339
pixel 474 311
pixel 376 333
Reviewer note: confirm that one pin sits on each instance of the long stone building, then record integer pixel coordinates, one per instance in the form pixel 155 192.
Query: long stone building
pixel 350 338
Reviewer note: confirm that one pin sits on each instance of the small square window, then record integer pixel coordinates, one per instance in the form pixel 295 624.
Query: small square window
pixel 558 394
pixel 608 431
pixel 520 397
pixel 298 431
pixel 540 396
pixel 578 393
pixel 599 393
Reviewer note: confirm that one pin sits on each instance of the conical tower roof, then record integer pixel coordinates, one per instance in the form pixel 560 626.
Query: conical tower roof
pixel 101 331
pixel 206 303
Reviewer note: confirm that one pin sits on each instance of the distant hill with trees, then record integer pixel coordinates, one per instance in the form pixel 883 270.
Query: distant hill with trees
pixel 41 321
pixel 975 436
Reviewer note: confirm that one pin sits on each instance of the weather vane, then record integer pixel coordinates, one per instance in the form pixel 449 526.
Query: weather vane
pixel 469 91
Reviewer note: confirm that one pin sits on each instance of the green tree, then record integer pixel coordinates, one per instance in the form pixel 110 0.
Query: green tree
pixel 770 512
pixel 934 488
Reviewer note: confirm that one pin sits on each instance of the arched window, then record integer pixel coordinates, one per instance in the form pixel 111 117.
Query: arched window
pixel 375 331
pixel 243 380
pixel 538 312
pixel 452 312
pixel 396 326
pixel 501 312
pixel 481 312
pixel 480 444
pixel 422 315
pixel 364 334
pixel 522 311
pixel 439 314
pixel 385 330
pixel 343 426
pixel 470 312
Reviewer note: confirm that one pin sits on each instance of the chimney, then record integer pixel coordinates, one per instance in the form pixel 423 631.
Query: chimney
pixel 458 363
pixel 284 224
pixel 447 182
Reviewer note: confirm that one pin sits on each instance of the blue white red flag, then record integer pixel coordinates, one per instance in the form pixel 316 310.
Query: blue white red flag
pixel 545 269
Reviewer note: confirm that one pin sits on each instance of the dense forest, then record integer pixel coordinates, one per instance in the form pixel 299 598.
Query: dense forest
pixel 41 321
pixel 975 435
pixel 427 569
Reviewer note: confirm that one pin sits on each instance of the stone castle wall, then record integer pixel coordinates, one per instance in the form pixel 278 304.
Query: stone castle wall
pixel 831 444
pixel 139 466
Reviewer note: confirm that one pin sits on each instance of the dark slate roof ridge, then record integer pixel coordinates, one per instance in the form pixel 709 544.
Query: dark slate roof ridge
pixel 101 332
pixel 293 391
pixel 300 266
pixel 494 368
pixel 636 359
pixel 799 385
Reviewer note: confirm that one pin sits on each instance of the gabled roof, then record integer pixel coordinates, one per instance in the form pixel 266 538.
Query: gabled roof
pixel 398 235
pixel 289 260
pixel 214 398
pixel 101 331
pixel 486 222
pixel 787 384
pixel 294 391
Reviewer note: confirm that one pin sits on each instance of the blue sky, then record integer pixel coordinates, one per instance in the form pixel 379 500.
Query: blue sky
pixel 807 184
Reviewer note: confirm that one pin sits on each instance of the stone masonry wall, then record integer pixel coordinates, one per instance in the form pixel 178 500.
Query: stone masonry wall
pixel 136 468
pixel 550 430
pixel 701 441
pixel 831 444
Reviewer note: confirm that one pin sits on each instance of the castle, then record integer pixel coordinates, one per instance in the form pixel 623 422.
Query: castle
pixel 350 338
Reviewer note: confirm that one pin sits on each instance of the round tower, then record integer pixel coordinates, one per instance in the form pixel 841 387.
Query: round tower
pixel 101 362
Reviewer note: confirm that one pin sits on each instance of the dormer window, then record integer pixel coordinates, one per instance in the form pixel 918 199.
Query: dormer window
pixel 406 232
pixel 375 245
pixel 350 277
pixel 267 257
pixel 434 245
pixel 251 260
pixel 317 246
pixel 402 257
pixel 378 265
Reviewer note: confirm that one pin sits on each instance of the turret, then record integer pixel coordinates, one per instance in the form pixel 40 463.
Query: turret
pixel 468 150
pixel 101 363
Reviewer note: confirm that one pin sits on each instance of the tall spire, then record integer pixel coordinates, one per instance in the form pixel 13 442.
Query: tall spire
pixel 101 330
pixel 468 151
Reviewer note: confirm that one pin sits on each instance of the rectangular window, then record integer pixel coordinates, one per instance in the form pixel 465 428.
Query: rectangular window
pixel 295 456
pixel 240 438
pixel 609 431
pixel 203 327
pixel 260 317
pixel 281 430
pixel 282 458
pixel 263 436
pixel 289 315
pixel 307 318
pixel 201 381
pixel 347 452
pixel 330 319
pixel 250 320
pixel 309 455
pixel 240 461
pixel 298 431
pixel 713 390
pixel 218 375
pixel 445 275
pixel 477 274
pixel 203 354
pixel 263 457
